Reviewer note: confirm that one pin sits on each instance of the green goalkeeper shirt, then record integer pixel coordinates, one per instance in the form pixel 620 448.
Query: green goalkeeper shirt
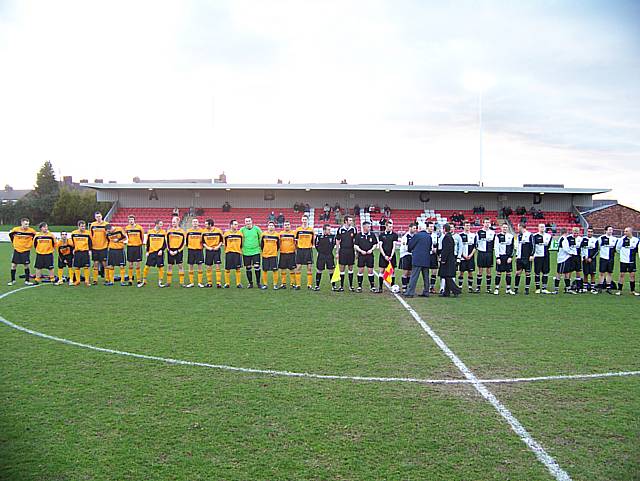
pixel 251 241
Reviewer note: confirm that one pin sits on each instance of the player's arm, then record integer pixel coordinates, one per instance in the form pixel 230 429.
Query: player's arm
pixel 532 247
pixel 375 245
pixel 12 234
pixel 473 248
pixel 509 250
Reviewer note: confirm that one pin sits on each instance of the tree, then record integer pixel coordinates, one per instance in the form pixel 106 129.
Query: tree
pixel 38 203
pixel 74 205
pixel 46 183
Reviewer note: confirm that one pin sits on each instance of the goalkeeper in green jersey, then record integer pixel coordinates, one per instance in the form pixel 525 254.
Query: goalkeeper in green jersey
pixel 251 250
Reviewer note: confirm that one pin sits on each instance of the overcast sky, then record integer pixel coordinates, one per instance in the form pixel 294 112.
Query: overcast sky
pixel 316 91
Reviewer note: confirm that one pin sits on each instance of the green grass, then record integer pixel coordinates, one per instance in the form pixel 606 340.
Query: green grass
pixel 75 414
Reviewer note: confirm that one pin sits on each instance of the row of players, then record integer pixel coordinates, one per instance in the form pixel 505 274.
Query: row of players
pixel 250 246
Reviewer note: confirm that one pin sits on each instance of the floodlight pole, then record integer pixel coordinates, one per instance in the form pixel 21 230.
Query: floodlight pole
pixel 480 183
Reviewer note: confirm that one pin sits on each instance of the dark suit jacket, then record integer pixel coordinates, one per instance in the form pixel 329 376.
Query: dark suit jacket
pixel 420 248
pixel 447 257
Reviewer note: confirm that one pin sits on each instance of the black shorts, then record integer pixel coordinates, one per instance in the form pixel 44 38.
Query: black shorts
pixel 383 263
pixel 175 260
pixel 467 265
pixel 365 260
pixel 485 259
pixel 589 268
pixel 325 261
pixel 251 261
pixel 523 264
pixel 504 266
pixel 304 256
pixel 194 256
pixel 433 261
pixel 155 259
pixel 232 260
pixel 541 265
pixel 65 261
pixel 134 253
pixel 44 261
pixel 346 257
pixel 212 257
pixel 99 255
pixel 21 257
pixel 81 259
pixel 405 263
pixel 627 267
pixel 270 263
pixel 606 266
pixel 577 263
pixel 287 261
pixel 565 267
pixel 115 257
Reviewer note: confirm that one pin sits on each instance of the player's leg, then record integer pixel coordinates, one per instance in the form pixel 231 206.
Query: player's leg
pixel 256 268
pixel 310 284
pixel 632 283
pixel 248 266
pixel 200 273
pixel 370 276
pixel 516 284
pixel 406 276
pixel 360 271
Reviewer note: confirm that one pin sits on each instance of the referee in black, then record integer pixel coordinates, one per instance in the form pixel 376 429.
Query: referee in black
pixel 325 244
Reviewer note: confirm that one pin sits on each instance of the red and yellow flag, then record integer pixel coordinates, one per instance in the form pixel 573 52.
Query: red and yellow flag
pixel 388 274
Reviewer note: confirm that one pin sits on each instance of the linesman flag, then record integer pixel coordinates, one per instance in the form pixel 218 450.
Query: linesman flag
pixel 335 277
pixel 387 275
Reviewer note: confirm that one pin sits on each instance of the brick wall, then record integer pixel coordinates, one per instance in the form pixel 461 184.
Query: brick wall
pixel 618 216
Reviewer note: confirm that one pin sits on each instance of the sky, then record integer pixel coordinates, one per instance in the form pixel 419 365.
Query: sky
pixel 371 91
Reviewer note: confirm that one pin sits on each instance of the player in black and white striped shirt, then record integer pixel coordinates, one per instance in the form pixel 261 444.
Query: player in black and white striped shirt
pixel 467 253
pixel 589 251
pixel 607 243
pixel 627 248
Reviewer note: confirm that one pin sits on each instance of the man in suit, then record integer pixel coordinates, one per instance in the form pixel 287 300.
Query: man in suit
pixel 447 269
pixel 420 248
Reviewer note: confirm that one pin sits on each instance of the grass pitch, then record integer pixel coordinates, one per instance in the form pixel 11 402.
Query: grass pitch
pixel 71 413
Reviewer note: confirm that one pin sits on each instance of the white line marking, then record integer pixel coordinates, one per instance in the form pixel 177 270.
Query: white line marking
pixel 556 471
pixel 272 372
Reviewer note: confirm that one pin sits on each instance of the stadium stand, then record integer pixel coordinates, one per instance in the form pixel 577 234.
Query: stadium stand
pixel 146 216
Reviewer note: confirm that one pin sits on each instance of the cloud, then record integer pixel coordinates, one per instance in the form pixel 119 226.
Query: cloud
pixel 319 91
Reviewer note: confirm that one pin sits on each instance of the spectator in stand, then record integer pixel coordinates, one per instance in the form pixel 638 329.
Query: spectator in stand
pixel 338 217
pixel 523 220
pixel 554 227
pixel 271 217
pixel 226 207
pixel 327 212
pixel 307 209
pixel 280 219
pixel 383 223
pixel 175 212
pixel 387 211
pixel 520 210
pixel 507 211
pixel 476 222
pixel 356 209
